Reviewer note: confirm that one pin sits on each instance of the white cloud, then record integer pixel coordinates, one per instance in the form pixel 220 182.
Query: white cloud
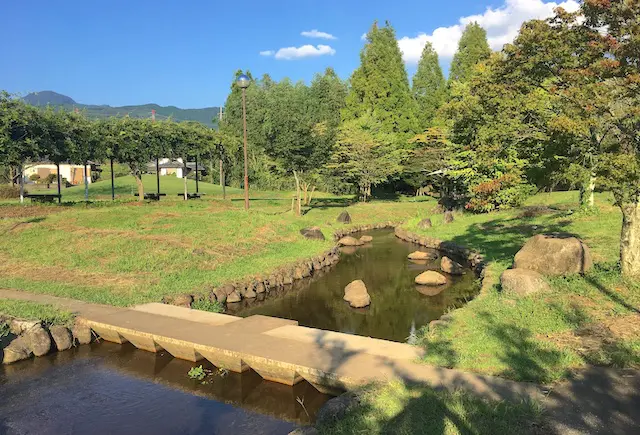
pixel 363 37
pixel 315 33
pixel 502 25
pixel 267 53
pixel 291 53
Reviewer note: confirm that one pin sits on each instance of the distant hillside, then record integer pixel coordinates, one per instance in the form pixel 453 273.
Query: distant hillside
pixel 44 98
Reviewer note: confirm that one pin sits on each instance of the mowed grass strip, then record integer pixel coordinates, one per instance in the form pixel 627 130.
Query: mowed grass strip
pixel 544 337
pixel 127 253
pixel 28 310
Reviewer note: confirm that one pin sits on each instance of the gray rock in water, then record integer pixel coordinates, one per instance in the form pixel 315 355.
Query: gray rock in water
pixel 344 218
pixel 419 255
pixel 313 233
pixel 356 294
pixel 220 295
pixel 424 224
pixel 336 408
pixel 39 340
pixel 61 337
pixel 17 350
pixel 82 333
pixel 350 241
pixel 307 430
pixel 522 282
pixel 451 267
pixel 554 254
pixel 233 297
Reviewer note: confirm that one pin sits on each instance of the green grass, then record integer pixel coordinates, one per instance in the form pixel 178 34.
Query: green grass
pixel 543 337
pixel 28 310
pixel 399 409
pixel 128 253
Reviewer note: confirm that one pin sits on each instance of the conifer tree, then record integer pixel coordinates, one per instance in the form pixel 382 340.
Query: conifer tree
pixel 380 86
pixel 429 87
pixel 472 48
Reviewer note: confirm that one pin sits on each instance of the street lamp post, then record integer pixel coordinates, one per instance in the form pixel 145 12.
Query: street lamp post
pixel 244 82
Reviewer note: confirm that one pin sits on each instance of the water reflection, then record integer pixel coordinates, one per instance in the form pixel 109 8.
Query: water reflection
pixel 398 306
pixel 107 388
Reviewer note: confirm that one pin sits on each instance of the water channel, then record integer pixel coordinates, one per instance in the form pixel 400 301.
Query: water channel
pixel 106 388
pixel 398 307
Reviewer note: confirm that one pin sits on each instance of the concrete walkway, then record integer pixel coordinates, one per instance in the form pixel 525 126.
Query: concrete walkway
pixel 277 349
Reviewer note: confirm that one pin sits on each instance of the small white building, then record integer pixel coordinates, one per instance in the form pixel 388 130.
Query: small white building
pixel 74 173
pixel 174 167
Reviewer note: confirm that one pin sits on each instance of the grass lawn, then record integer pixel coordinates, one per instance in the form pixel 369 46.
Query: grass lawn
pixel 591 319
pixel 28 310
pixel 124 253
pixel 401 410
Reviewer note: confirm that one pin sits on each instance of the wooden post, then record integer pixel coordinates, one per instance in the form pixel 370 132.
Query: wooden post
pixel 113 186
pixel 21 173
pixel 158 177
pixel 86 183
pixel 197 188
pixel 59 183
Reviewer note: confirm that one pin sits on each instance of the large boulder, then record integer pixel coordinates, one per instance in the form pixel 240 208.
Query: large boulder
pixel 39 340
pixel 82 333
pixel 522 282
pixel 424 224
pixel 344 218
pixel 350 241
pixel 313 233
pixel 61 337
pixel 18 326
pixel 17 350
pixel 554 254
pixel 431 277
pixel 336 408
pixel 356 294
pixel 419 255
pixel 451 267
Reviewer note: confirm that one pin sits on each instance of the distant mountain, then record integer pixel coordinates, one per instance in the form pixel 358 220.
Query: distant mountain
pixel 205 115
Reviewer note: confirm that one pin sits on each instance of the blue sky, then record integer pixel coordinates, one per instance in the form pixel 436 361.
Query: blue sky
pixel 185 53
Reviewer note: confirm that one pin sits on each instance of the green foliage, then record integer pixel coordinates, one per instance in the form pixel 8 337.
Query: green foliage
pixel 197 373
pixel 4 330
pixel 207 305
pixel 472 49
pixel 380 87
pixel 34 177
pixel 429 87
pixel 7 191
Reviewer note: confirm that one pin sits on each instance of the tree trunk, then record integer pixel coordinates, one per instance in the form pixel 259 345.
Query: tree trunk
pixel 86 184
pixel 138 176
pixel 592 188
pixel 310 197
pixel 20 173
pixel 630 240
pixel 184 177
pixel 299 205
pixel 12 175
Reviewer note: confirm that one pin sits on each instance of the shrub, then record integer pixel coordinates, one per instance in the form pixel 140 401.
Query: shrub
pixel 51 178
pixel 34 177
pixel 8 191
pixel 504 192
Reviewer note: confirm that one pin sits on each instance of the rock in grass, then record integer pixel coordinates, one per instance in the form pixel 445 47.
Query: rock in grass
pixel 220 295
pixel 61 337
pixel 356 294
pixel 336 408
pixel 179 300
pixel 448 217
pixel 424 224
pixel 39 340
pixel 554 254
pixel 313 233
pixel 366 239
pixel 431 277
pixel 344 218
pixel 17 350
pixel 451 267
pixel 419 255
pixel 350 241
pixel 522 282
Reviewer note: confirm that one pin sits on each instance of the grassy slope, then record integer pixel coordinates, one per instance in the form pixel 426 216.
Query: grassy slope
pixel 406 410
pixel 127 253
pixel 34 311
pixel 590 319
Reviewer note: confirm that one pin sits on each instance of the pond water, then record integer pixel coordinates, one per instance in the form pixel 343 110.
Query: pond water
pixel 107 388
pixel 398 308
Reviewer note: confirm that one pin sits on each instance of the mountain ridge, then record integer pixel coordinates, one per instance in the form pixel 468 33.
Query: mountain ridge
pixel 204 115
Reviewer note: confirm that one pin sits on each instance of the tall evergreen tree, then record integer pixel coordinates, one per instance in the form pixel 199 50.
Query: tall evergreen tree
pixel 429 87
pixel 380 86
pixel 472 48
